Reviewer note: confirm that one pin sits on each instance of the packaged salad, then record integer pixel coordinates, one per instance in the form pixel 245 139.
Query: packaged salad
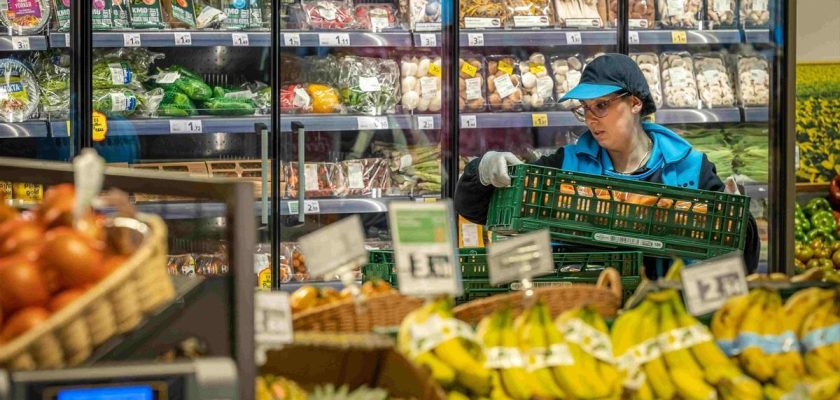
pixel 369 85
pixel 25 17
pixel 62 15
pixel 20 93
pixel 179 13
pixel 504 87
pixel 101 15
pixel 146 14
pixel 471 84
pixel 115 102
pixel 238 14
pixel 119 14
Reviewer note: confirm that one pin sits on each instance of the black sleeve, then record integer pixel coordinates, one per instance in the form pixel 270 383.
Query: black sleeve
pixel 710 181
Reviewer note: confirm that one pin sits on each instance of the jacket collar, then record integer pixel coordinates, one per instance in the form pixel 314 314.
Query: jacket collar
pixel 671 146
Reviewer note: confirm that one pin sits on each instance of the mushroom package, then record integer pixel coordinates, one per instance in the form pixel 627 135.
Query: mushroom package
pixel 420 83
pixel 713 80
pixel 581 13
pixel 753 80
pixel 722 14
pixel 425 15
pixel 504 88
pixel 481 13
pixel 678 85
pixel 641 14
pixel 529 13
pixel 471 83
pixel 755 13
pixel 649 64
pixel 682 14
pixel 567 71
pixel 537 83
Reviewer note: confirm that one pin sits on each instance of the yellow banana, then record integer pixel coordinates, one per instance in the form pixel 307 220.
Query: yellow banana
pixel 707 354
pixel 644 392
pixel 825 389
pixel 690 386
pixel 531 337
pixel 625 334
pixel 677 359
pixel 656 370
pixel 728 318
pixel 772 392
pixel 607 370
pixel 517 382
pixel 490 337
pixel 738 387
pixel 441 372
pixel 456 395
pixel 819 360
pixel 789 365
pixel 571 378
pixel 802 303
pixel 833 349
pixel 752 358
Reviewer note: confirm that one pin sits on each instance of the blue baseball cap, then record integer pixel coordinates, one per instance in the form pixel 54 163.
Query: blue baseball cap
pixel 611 73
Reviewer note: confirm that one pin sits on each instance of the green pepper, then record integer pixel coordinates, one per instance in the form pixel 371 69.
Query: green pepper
pixel 816 205
pixel 825 235
pixel 802 222
pixel 800 234
pixel 824 220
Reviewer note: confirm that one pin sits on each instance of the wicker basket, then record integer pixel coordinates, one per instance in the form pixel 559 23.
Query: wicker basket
pixel 115 305
pixel 384 310
pixel 605 295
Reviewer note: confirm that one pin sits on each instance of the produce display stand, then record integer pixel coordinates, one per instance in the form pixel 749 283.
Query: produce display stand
pixel 217 310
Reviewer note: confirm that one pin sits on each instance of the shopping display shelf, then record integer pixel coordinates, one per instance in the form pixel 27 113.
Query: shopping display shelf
pixel 291 286
pixel 345 205
pixel 174 126
pixel 24 129
pixel 171 38
pixel 757 36
pixel 756 114
pixel 660 37
pixel 23 43
pixel 566 118
pixel 174 210
pixel 543 37
pixel 338 122
pixel 346 39
pixel 693 116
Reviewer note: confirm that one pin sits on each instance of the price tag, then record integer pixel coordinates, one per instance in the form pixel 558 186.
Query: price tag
pixel 335 247
pixel 425 122
pixel 469 69
pixel 505 67
pixel 309 206
pixel 240 39
pixel 539 119
pixel 573 38
pixel 424 248
pixel 428 40
pixel 272 321
pixel 131 40
pixel 334 39
pixel 679 37
pixel 707 285
pixel 468 122
pixel 66 40
pixel 372 123
pixel 21 43
pixel 522 257
pixel 475 39
pixel 183 39
pixel 100 126
pixel 434 70
pixel 186 126
pixel 633 37
pixel 291 39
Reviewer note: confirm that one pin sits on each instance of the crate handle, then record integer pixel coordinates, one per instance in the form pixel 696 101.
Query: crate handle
pixel 610 279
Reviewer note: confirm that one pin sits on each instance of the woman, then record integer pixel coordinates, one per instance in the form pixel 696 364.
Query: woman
pixel 614 97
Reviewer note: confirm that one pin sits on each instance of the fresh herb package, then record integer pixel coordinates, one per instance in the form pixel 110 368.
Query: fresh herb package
pixel 181 13
pixel 238 14
pixel 146 14
pixel 62 14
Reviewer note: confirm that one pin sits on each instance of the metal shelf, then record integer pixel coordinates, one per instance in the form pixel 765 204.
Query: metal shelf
pixel 336 122
pixel 517 119
pixel 757 36
pixel 346 39
pixel 171 210
pixel 756 114
pixel 542 37
pixel 163 126
pixel 174 38
pixel 24 129
pixel 660 37
pixel 23 43
pixel 689 116
pixel 292 285
pixel 343 206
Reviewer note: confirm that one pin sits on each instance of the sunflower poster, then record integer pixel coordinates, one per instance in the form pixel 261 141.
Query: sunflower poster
pixel 818 121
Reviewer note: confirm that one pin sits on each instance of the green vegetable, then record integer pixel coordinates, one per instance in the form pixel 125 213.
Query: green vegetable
pixel 185 81
pixel 176 104
pixel 112 74
pixel 815 205
pixel 825 235
pixel 229 106
pixel 116 102
pixel 824 220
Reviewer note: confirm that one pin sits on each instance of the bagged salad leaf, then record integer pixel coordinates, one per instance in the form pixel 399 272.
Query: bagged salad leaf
pixel 369 85
pixel 52 70
pixel 263 100
pixel 185 81
pixel 146 14
pixel 176 104
pixel 122 67
pixel 256 21
pixel 207 16
pixel 20 93
pixel 238 14
pixel 181 13
pixel 119 14
pixel 101 15
pixel 62 15
pixel 25 17
pixel 116 102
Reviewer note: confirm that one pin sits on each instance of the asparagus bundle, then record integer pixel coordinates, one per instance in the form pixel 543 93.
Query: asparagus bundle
pixel 416 169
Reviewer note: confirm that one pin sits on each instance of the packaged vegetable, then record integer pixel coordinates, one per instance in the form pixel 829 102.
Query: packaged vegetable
pixel 366 176
pixel 320 179
pixel 229 106
pixel 713 80
pixel 504 87
pixel 369 85
pixel 329 14
pixel 262 98
pixel 208 17
pixel 722 14
pixel 537 83
pixel 753 80
pixel 181 13
pixel 376 17
pixel 185 81
pixel 256 20
pixel 176 104
pixel 679 14
pixel 581 13
pixel 100 14
pixel 25 17
pixel 146 14
pixel 325 99
pixel 567 72
pixel 481 14
pixel 471 84
pixel 324 70
pixel 20 93
pixel 119 14
pixel 678 84
pixel 421 83
pixel 52 71
pixel 425 15
pixel 291 68
pixel 62 15
pixel 122 67
pixel 294 99
pixel 755 13
pixel 642 14
pixel 238 14
pixel 649 64
pixel 528 13
pixel 115 102
pixel 150 102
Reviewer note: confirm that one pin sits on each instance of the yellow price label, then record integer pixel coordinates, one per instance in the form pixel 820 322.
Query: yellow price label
pixel 468 69
pixel 505 67
pixel 539 119
pixel 29 191
pixel 537 68
pixel 264 279
pixel 100 126
pixel 5 190
pixel 435 70
pixel 679 37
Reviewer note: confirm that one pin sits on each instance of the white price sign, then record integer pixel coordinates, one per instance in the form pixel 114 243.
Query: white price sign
pixel 573 38
pixel 309 207
pixel 475 39
pixel 131 40
pixel 707 285
pixel 186 126
pixel 372 123
pixel 66 40
pixel 335 248
pixel 428 40
pixel 240 39
pixel 272 321
pixel 334 39
pixel 424 248
pixel 468 122
pixel 291 39
pixel 633 37
pixel 21 43
pixel 425 122
pixel 183 39
pixel 521 257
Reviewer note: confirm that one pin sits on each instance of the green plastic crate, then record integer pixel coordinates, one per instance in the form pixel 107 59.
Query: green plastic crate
pixel 588 209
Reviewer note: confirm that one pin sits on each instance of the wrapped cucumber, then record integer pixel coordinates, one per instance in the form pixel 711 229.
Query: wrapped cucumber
pixel 185 81
pixel 229 106
pixel 176 104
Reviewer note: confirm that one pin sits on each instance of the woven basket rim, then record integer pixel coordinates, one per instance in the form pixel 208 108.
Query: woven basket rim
pixel 157 230
pixel 349 303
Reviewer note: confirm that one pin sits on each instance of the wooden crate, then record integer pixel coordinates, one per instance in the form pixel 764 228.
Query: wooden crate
pixel 191 168
pixel 248 170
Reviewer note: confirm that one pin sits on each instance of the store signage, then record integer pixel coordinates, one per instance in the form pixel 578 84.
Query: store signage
pixel 334 39
pixel 100 126
pixel 21 43
pixel 186 126
pixel 475 39
pixel 522 257
pixel 183 39
pixel 336 248
pixel 468 121
pixel 240 39
pixel 708 284
pixel 573 38
pixel 679 37
pixel 428 40
pixel 131 40
pixel 291 39
pixel 633 37
pixel 309 206
pixel 272 321
pixel 424 248
pixel 425 122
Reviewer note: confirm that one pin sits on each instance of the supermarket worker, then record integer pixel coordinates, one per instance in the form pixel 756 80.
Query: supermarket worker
pixel 614 97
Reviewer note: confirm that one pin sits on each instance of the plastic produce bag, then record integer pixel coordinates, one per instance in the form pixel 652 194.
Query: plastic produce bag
pixel 425 15
pixel 325 99
pixel 329 14
pixel 366 175
pixel 229 106
pixel 122 67
pixel 369 85
pixel 185 81
pixel 25 17
pixel 176 104
pixel 294 99
pixel 52 71
pixel 679 14
pixel 678 84
pixel 528 13
pixel 504 87
pixel 119 14
pixel 755 13
pixel 180 13
pixel 321 180
pixel 376 17
pixel 238 14
pixel 262 99
pixel 642 14
pixel 722 14
pixel 753 81
pixel 581 13
pixel 481 14
pixel 421 83
pixel 537 83
pixel 150 102
pixel 62 15
pixel 567 72
pixel 20 93
pixel 713 80
pixel 321 70
pixel 146 14
pixel 471 84
pixel 649 64
pixel 208 17
pixel 291 69
pixel 115 102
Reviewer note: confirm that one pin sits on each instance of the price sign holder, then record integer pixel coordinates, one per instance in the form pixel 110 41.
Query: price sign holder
pixel 679 37
pixel 182 38
pixel 520 259
pixel 708 284
pixel 338 249
pixel 272 322
pixel 424 248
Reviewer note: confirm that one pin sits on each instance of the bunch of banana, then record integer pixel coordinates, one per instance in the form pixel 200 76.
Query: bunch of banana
pixel 590 377
pixel 814 324
pixel 627 336
pixel 426 336
pixel 510 378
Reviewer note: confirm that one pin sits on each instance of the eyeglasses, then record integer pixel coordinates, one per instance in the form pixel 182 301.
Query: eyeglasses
pixel 599 109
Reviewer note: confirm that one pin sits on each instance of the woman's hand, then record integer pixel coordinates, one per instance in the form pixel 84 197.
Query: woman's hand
pixel 492 170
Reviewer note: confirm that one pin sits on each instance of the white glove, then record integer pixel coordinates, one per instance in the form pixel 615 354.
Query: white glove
pixel 492 169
